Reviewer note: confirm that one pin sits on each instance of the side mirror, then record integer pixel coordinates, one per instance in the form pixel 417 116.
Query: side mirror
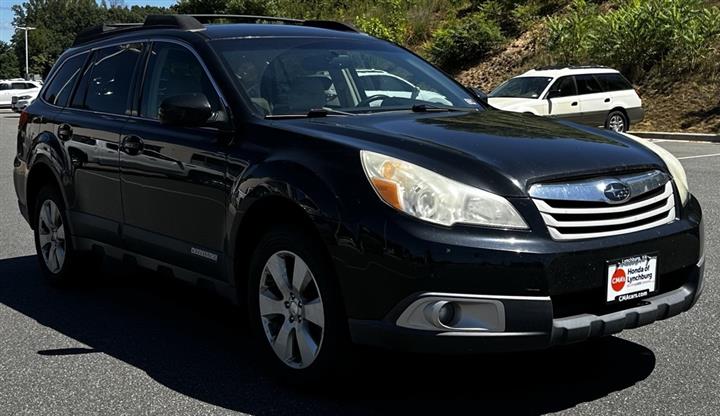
pixel 481 96
pixel 553 94
pixel 188 110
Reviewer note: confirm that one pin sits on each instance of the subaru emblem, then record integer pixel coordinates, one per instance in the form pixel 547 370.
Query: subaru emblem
pixel 616 192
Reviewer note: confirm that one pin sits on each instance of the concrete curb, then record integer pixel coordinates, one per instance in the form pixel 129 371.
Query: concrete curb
pixel 694 137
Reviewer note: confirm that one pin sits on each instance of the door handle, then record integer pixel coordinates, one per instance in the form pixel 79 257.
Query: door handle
pixel 132 145
pixel 607 100
pixel 64 132
pixel 574 103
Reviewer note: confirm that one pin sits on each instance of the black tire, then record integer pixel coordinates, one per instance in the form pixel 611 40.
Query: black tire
pixel 73 263
pixel 333 348
pixel 617 121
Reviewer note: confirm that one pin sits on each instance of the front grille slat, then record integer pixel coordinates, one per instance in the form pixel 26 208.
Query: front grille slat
pixel 565 223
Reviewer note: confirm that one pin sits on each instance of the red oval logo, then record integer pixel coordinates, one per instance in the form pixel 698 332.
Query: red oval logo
pixel 618 280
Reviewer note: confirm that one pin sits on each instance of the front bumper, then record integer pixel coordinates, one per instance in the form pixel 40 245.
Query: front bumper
pixel 566 281
pixel 531 324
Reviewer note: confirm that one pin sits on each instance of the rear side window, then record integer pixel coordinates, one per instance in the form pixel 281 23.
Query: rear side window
pixel 106 83
pixel 59 89
pixel 587 84
pixel 173 70
pixel 4 87
pixel 613 82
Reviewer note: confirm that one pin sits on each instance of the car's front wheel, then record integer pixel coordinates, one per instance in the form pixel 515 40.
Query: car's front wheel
pixel 294 305
pixel 617 121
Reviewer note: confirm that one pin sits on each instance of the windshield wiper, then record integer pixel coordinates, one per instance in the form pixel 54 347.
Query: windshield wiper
pixel 425 108
pixel 313 113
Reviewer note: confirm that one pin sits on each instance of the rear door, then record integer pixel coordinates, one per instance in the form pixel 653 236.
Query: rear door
pixel 5 93
pixel 173 178
pixel 90 127
pixel 595 103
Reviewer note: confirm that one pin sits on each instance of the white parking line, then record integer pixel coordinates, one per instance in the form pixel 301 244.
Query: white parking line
pixel 698 156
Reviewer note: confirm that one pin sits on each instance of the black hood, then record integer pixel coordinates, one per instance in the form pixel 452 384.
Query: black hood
pixel 496 150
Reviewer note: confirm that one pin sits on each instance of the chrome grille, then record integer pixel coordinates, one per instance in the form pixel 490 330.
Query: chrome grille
pixel 591 209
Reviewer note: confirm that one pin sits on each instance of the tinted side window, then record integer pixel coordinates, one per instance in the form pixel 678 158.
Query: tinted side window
pixel 106 83
pixel 587 84
pixel 563 87
pixel 173 70
pixel 613 82
pixel 18 86
pixel 4 87
pixel 59 89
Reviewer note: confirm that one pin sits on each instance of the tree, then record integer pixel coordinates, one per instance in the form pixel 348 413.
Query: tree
pixel 58 21
pixel 250 7
pixel 9 67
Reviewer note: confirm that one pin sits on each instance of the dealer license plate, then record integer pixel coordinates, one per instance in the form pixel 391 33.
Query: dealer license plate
pixel 631 278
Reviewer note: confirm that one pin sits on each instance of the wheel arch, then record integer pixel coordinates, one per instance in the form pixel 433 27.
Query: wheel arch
pixel 279 193
pixel 41 174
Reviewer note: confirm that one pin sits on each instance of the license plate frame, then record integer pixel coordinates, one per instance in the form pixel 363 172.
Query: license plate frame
pixel 639 278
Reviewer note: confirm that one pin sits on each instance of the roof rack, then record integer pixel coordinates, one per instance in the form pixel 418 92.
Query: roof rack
pixel 245 18
pixel 553 67
pixel 191 22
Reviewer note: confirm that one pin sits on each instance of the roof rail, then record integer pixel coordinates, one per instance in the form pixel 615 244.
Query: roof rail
pixel 324 24
pixel 552 67
pixel 196 22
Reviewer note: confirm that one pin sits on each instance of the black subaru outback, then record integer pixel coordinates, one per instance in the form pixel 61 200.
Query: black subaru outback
pixel 345 190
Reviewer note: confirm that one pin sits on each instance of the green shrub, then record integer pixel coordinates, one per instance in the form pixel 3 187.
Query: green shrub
pixel 373 26
pixel 462 41
pixel 671 36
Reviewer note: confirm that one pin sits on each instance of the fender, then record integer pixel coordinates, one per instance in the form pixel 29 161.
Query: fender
pixel 290 181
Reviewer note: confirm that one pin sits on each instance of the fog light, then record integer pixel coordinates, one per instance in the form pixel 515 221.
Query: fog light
pixel 441 314
pixel 446 314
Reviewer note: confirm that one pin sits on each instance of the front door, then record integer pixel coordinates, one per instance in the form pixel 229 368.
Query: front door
pixel 562 99
pixel 173 178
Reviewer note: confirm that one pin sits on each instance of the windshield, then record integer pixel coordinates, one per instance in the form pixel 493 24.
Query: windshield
pixel 291 76
pixel 522 87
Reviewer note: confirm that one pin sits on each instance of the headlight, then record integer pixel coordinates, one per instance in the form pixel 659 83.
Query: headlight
pixel 25 97
pixel 673 164
pixel 431 197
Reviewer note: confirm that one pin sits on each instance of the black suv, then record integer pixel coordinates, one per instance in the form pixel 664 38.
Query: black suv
pixel 345 190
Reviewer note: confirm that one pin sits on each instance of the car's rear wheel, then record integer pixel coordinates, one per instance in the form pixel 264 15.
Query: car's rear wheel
pixel 617 121
pixel 59 261
pixel 294 306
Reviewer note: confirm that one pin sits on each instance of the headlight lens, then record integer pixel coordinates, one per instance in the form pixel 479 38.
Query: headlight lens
pixel 674 166
pixel 24 97
pixel 431 197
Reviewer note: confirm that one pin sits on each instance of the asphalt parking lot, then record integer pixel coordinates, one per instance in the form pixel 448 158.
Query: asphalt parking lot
pixel 131 342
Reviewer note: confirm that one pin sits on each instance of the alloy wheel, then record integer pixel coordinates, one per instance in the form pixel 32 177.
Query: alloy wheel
pixel 51 235
pixel 291 309
pixel 617 123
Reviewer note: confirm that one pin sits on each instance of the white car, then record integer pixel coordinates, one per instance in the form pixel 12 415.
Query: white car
pixel 595 96
pixel 15 88
pixel 379 82
pixel 22 102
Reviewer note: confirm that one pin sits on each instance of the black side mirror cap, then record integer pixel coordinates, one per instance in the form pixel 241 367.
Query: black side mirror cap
pixel 188 110
pixel 480 95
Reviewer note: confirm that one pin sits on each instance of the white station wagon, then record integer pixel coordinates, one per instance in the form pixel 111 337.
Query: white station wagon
pixel 596 96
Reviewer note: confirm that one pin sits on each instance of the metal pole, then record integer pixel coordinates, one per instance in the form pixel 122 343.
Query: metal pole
pixel 27 58
pixel 27 49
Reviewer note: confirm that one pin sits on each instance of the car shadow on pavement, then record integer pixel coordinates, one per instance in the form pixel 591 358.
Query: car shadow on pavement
pixel 190 342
